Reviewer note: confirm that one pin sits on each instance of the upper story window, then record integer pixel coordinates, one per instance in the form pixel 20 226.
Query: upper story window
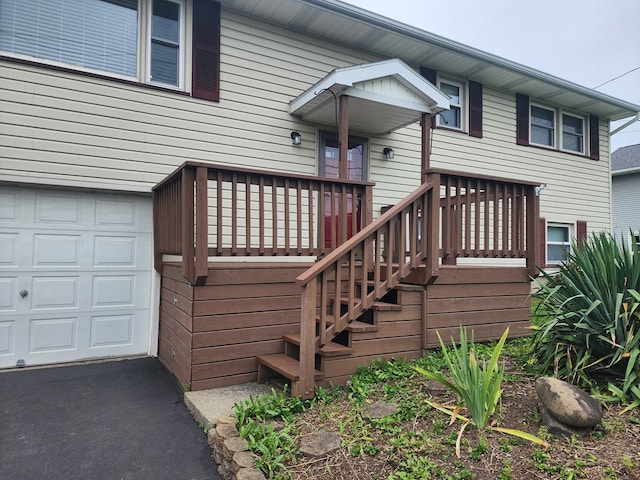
pixel 465 114
pixel 543 126
pixel 573 133
pixel 453 117
pixel 139 40
pixel 166 42
pixel 554 128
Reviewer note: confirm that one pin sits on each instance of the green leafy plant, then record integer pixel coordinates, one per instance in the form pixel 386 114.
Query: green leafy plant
pixel 477 385
pixel 593 309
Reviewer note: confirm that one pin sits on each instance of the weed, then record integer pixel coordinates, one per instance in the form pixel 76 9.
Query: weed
pixel 506 472
pixel 480 449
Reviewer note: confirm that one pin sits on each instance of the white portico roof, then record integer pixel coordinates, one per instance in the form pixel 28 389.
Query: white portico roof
pixel 383 96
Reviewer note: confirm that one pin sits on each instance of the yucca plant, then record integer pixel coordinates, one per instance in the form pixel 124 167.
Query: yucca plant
pixel 593 305
pixel 478 385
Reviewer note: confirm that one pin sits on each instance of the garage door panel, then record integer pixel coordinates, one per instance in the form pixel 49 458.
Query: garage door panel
pixel 8 206
pixel 7 338
pixel 57 208
pixel 56 250
pixel 54 292
pixel 53 334
pixel 112 330
pixel 110 291
pixel 8 249
pixel 114 212
pixel 8 293
pixel 114 251
pixel 85 261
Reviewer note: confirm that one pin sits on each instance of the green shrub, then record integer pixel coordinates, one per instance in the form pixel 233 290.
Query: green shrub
pixel 593 309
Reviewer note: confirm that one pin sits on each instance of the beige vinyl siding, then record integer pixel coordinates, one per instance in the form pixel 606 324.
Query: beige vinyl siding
pixel 62 128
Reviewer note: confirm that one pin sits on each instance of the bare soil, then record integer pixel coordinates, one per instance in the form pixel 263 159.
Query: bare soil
pixel 611 451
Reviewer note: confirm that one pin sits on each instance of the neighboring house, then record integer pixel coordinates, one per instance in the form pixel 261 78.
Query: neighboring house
pixel 303 120
pixel 625 193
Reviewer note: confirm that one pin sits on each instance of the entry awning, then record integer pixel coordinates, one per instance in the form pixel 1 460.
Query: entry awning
pixel 384 96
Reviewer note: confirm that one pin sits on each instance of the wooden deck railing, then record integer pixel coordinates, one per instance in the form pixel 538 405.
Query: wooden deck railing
pixel 204 210
pixel 487 217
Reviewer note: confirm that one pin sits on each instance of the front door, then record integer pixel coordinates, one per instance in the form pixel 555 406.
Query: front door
pixel 357 158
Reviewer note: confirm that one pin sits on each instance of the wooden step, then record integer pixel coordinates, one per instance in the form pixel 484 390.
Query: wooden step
pixel 284 365
pixel 386 307
pixel 331 349
pixel 361 327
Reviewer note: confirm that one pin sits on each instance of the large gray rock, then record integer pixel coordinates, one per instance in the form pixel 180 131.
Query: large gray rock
pixel 568 404
pixel 556 427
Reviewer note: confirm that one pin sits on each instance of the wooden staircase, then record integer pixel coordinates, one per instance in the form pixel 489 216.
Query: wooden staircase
pixel 287 364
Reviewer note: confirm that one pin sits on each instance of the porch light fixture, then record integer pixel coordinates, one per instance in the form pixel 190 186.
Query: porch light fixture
pixel 296 138
pixel 388 153
pixel 540 188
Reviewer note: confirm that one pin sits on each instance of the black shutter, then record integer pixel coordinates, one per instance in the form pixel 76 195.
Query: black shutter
pixel 581 231
pixel 594 137
pixel 475 109
pixel 522 119
pixel 206 50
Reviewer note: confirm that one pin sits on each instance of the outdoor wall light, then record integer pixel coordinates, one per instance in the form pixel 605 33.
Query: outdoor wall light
pixel 296 138
pixel 540 188
pixel 388 153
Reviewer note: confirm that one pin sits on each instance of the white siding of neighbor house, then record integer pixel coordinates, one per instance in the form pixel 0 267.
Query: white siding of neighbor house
pixel 61 128
pixel 625 199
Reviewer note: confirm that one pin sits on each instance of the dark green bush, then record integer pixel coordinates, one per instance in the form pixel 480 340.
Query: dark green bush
pixel 593 309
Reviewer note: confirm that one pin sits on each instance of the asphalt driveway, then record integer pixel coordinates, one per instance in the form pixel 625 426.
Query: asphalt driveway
pixel 115 420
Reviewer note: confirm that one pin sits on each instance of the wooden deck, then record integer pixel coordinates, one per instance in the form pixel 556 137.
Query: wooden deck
pixel 382 293
pixel 211 335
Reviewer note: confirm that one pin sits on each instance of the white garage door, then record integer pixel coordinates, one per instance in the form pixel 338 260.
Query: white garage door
pixel 75 273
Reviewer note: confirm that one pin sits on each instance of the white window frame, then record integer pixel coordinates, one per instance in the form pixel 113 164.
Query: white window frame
pixel 143 50
pixel 636 239
pixel 583 137
pixel 554 129
pixel 181 44
pixel 462 105
pixel 566 245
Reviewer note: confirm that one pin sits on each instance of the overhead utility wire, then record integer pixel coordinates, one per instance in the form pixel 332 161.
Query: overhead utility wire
pixel 616 78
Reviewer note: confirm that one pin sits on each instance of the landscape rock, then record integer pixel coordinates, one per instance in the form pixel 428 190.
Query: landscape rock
pixel 250 474
pixel 379 410
pixel 232 445
pixel 556 427
pixel 567 403
pixel 227 430
pixel 319 443
pixel 242 460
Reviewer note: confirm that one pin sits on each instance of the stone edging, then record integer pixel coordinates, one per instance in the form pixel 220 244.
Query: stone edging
pixel 230 452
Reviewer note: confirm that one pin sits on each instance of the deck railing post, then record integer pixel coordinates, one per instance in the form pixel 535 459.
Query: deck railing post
pixel 307 341
pixel 432 226
pixel 186 225
pixel 533 215
pixel 201 229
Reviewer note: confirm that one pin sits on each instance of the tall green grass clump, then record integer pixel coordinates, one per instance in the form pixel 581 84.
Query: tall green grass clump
pixel 593 309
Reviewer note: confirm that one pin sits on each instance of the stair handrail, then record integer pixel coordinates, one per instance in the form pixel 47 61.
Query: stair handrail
pixel 417 213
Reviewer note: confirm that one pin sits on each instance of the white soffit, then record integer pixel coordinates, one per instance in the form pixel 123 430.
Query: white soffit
pixel 383 96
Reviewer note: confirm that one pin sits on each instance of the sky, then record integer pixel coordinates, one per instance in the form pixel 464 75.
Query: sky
pixel 588 42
